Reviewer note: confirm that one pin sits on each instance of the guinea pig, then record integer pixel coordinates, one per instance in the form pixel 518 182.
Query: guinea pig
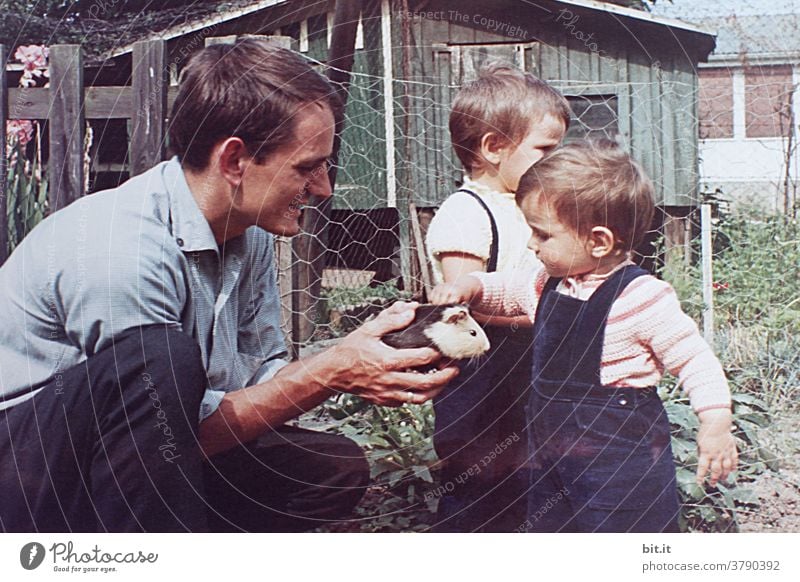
pixel 447 328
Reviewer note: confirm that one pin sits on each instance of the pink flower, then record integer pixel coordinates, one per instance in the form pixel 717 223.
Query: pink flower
pixel 34 59
pixel 33 56
pixel 19 131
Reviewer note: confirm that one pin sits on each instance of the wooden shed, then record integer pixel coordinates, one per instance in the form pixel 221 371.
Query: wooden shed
pixel 628 75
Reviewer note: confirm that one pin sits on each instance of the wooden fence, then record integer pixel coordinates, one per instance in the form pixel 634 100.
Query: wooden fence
pixel 67 104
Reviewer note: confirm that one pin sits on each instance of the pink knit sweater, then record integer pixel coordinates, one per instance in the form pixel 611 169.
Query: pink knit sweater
pixel 646 332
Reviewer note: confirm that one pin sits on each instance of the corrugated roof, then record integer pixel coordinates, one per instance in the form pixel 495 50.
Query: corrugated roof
pixel 254 6
pixel 745 28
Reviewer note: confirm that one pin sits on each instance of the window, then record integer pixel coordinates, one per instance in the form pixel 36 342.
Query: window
pixel 715 103
pixel 593 116
pixel 768 92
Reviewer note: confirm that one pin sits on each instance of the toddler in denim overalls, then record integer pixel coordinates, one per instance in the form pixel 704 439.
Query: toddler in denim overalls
pixel 604 330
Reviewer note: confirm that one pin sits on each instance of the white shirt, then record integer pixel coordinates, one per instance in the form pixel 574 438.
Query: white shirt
pixel 462 225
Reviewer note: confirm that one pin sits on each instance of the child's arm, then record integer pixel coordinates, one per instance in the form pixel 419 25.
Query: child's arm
pixel 503 298
pixel 677 344
pixel 464 289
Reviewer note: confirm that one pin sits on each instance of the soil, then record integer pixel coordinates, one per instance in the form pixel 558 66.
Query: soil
pixel 778 491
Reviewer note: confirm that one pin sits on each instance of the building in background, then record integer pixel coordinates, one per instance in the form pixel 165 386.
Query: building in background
pixel 748 98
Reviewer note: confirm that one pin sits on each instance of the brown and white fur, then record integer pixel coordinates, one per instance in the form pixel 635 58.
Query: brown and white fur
pixel 448 328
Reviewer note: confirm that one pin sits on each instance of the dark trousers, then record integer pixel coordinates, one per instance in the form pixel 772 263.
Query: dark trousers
pixel 602 462
pixel 111 445
pixel 480 438
pixel 601 456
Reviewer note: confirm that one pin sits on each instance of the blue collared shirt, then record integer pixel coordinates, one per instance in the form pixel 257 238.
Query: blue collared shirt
pixel 140 254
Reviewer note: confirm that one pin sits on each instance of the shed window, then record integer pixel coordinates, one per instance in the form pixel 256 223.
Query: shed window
pixel 715 104
pixel 593 116
pixel 768 92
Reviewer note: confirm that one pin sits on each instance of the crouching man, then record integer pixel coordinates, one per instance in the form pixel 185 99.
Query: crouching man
pixel 143 379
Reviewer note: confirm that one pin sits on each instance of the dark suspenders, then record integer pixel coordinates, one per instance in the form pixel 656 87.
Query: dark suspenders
pixel 491 266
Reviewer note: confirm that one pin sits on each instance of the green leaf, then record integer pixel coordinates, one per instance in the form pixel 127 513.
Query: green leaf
pixel 687 482
pixel 770 459
pixel 744 398
pixel 423 473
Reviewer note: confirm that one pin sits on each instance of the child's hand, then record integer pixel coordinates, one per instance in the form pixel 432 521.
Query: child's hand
pixel 715 446
pixel 465 289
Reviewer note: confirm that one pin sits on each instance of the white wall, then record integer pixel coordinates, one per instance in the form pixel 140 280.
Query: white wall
pixel 750 170
pixel 747 170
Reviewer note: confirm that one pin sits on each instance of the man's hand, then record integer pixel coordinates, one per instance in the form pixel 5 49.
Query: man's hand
pixel 465 289
pixel 361 364
pixel 716 448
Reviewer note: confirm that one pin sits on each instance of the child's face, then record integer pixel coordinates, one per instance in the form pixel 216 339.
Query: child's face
pixel 516 159
pixel 562 251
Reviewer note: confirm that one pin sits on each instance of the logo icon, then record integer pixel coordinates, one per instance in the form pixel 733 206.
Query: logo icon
pixel 31 555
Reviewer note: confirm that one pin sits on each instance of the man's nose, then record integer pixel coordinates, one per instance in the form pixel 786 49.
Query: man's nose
pixel 320 185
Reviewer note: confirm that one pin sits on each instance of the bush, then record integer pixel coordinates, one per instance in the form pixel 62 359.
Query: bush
pixel 27 203
pixel 756 316
pixel 398 446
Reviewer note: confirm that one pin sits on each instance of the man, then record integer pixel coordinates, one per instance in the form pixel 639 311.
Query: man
pixel 143 383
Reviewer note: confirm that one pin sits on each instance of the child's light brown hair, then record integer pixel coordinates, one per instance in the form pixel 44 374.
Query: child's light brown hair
pixel 594 183
pixel 505 101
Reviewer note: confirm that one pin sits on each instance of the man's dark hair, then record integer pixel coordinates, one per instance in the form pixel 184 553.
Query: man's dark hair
pixel 251 90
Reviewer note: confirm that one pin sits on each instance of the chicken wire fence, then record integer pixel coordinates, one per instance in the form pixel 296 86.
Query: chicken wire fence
pixel 394 171
pixel 396 166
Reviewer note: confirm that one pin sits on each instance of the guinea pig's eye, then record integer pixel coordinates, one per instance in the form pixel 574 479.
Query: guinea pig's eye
pixel 472 332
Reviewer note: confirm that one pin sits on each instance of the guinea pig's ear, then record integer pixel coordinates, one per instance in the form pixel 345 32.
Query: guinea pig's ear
pixel 456 314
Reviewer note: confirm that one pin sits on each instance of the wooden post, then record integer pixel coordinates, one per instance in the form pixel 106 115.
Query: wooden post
pixel 419 247
pixel 283 263
pixel 708 277
pixel 150 83
pixel 310 246
pixel 3 159
pixel 66 125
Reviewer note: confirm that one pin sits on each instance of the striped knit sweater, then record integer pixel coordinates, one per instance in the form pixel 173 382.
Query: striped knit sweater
pixel 646 332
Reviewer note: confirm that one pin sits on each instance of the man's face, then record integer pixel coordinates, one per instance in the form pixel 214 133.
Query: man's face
pixel 272 194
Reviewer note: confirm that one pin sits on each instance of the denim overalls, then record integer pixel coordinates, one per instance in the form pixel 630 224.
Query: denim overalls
pixel 480 429
pixel 601 456
pixel 480 437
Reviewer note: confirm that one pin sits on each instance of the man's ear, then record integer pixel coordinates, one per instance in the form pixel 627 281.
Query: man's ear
pixel 601 242
pixel 491 146
pixel 232 157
